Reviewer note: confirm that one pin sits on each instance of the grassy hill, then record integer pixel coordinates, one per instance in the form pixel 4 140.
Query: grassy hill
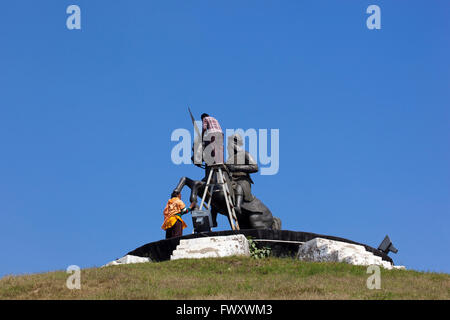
pixel 229 278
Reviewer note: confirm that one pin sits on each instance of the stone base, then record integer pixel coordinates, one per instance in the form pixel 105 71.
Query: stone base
pixel 128 259
pixel 212 247
pixel 283 243
pixel 325 250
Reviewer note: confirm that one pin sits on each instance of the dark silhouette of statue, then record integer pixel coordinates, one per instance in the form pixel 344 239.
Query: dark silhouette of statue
pixel 250 211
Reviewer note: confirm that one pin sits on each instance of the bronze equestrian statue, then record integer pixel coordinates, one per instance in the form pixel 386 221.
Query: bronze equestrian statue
pixel 250 211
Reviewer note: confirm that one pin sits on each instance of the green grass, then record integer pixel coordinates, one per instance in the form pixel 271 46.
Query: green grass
pixel 229 278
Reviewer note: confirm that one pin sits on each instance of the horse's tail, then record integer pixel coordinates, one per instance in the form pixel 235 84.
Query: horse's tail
pixel 276 224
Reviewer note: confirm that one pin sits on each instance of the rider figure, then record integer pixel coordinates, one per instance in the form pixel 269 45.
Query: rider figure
pixel 241 164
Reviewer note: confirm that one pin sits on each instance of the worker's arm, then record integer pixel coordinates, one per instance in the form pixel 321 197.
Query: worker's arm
pixel 186 210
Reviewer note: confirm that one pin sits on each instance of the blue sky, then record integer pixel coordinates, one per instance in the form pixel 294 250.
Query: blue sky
pixel 86 118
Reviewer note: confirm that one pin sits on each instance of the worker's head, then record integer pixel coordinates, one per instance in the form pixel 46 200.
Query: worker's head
pixel 204 115
pixel 176 194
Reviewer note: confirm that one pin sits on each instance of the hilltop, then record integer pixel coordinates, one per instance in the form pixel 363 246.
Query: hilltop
pixel 229 278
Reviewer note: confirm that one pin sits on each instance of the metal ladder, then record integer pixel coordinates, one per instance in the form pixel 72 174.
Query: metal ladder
pixel 221 181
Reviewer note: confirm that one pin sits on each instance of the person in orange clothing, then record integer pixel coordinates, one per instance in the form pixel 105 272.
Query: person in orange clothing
pixel 175 208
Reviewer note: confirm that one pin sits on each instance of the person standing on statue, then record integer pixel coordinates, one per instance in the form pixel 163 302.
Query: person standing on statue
pixel 212 137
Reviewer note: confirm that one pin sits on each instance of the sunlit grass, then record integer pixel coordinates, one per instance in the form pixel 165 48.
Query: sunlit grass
pixel 229 278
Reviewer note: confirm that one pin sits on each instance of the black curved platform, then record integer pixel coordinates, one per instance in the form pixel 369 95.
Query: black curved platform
pixel 162 250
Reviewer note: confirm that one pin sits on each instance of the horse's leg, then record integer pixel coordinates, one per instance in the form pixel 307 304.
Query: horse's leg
pixel 194 185
pixel 195 188
pixel 214 217
pixel 180 185
pixel 239 197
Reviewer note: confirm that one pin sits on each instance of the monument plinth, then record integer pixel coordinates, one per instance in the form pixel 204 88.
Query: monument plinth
pixel 283 243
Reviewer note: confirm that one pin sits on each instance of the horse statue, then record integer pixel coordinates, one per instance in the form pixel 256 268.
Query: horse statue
pixel 251 212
